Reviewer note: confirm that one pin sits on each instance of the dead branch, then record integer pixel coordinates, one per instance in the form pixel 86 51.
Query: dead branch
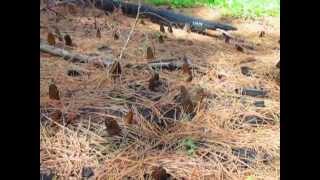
pixel 70 56
pixel 234 40
pixel 168 64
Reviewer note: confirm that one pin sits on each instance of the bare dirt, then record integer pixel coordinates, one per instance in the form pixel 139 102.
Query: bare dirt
pixel 73 132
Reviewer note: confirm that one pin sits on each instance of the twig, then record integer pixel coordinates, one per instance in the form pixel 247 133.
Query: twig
pixel 131 32
pixel 225 33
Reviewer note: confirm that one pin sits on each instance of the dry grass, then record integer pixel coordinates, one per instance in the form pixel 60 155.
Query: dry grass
pixel 217 129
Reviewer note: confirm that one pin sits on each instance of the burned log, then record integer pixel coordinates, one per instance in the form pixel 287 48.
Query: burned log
pixel 160 16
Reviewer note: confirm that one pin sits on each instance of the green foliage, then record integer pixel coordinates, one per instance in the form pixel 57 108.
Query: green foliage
pixel 190 145
pixel 249 178
pixel 54 177
pixel 180 3
pixel 237 8
pixel 249 8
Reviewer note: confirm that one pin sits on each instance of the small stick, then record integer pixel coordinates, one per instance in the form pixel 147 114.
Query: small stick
pixel 132 29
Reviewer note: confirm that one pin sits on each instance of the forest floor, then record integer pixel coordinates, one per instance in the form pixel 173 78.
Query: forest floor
pixel 231 136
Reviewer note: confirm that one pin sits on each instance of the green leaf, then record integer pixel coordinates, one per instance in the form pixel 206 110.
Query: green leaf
pixel 189 145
